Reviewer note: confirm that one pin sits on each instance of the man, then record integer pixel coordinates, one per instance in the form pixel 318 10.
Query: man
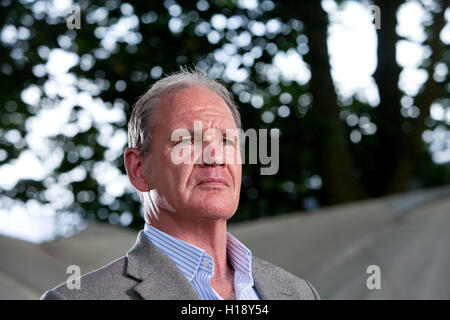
pixel 184 251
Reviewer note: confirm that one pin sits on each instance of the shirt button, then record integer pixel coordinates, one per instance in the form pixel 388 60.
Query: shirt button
pixel 207 263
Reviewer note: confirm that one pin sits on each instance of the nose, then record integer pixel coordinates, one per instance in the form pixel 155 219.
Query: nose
pixel 213 153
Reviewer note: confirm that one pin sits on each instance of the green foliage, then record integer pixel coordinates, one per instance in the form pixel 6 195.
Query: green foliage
pixel 120 73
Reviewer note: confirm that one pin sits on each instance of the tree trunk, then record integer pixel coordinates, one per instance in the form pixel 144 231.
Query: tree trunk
pixel 332 150
pixel 414 145
pixel 387 116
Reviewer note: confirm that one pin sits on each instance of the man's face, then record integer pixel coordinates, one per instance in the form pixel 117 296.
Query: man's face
pixel 194 189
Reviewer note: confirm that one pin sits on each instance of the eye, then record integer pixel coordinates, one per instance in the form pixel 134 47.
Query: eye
pixel 185 141
pixel 228 142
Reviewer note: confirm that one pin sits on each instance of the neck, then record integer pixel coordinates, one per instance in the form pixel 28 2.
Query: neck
pixel 207 234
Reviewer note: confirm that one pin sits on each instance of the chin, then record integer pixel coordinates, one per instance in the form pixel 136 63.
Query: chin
pixel 214 210
pixel 214 204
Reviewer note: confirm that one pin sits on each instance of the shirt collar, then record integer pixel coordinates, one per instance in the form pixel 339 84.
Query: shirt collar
pixel 189 258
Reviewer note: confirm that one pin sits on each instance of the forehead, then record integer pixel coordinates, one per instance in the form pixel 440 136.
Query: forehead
pixel 196 103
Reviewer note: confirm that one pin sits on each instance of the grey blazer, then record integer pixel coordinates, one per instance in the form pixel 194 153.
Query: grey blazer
pixel 148 273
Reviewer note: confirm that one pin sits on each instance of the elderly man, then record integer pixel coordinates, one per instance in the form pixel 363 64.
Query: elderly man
pixel 185 251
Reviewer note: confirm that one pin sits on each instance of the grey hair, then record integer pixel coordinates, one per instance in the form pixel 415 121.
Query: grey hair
pixel 141 124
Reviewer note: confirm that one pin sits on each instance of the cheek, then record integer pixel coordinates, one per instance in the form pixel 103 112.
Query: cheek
pixel 163 174
pixel 236 174
pixel 178 177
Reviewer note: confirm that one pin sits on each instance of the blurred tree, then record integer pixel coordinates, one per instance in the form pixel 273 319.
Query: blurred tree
pixel 122 48
pixel 399 149
pixel 414 149
pixel 387 118
pixel 330 146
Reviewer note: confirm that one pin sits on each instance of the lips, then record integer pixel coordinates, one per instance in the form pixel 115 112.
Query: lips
pixel 211 177
pixel 213 182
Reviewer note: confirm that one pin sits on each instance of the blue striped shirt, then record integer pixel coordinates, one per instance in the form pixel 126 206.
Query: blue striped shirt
pixel 198 266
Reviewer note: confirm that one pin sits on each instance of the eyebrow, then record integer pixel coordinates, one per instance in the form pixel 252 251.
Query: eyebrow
pixel 191 131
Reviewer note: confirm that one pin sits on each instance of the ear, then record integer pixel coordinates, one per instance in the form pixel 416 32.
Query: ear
pixel 134 165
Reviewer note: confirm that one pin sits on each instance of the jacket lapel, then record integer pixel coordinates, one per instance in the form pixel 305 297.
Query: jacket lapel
pixel 268 285
pixel 160 277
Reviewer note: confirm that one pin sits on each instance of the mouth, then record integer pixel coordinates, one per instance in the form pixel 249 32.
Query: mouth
pixel 213 182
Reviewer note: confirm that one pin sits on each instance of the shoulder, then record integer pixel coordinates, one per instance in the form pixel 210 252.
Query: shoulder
pixel 303 289
pixel 107 282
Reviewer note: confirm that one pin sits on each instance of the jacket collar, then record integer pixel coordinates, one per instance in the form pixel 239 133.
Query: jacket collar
pixel 162 280
pixel 269 285
pixel 160 277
